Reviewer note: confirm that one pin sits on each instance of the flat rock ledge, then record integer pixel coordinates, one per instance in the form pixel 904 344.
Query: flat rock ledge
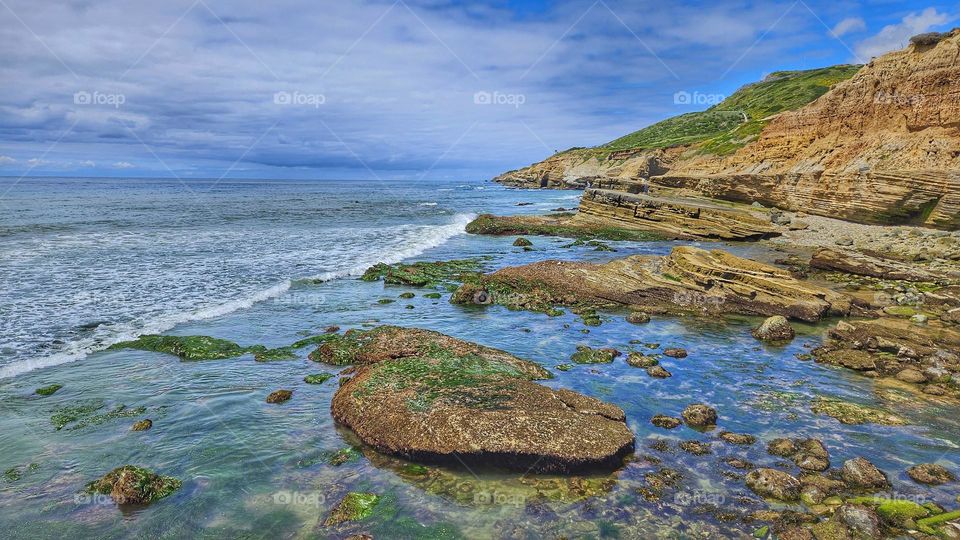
pixel 689 280
pixel 428 397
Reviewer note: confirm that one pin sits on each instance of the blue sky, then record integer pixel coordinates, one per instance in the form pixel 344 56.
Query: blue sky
pixel 411 89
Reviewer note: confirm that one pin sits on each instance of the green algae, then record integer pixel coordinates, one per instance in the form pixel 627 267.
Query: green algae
pixel 188 348
pixel 586 355
pixel 135 485
pixel 344 455
pixel 275 355
pixel 854 413
pixel 354 507
pixel 928 524
pixel 48 390
pixel 422 274
pixel 385 301
pixel 895 512
pixel 438 373
pixel 414 469
pixel 522 242
pixel 433 295
pixel 318 378
pixel 407 295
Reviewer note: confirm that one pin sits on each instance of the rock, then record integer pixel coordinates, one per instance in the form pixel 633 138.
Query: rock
pixel 586 355
pixel 774 484
pixel 640 360
pixel 318 378
pixel 782 447
pixel 861 264
pixel 738 438
pixel 675 352
pixel 919 318
pixel 859 519
pixel 134 485
pixel 432 398
pixel 188 348
pixel 522 242
pixel 700 415
pixel 407 295
pixel 696 448
pixel 685 281
pixel 142 425
pixel 353 507
pixel 666 422
pixel 930 474
pixel 911 375
pixel 845 241
pixel 422 274
pixel 638 317
pixel 798 225
pixel 775 328
pixel 861 474
pixel 853 413
pixel 808 454
pixel 48 390
pixel 279 396
pixel 658 372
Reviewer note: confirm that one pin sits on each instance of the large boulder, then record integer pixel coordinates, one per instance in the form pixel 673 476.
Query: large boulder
pixel 428 397
pixel 776 328
pixel 861 474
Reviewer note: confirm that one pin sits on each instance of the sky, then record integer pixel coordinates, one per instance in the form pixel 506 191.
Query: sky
pixel 390 89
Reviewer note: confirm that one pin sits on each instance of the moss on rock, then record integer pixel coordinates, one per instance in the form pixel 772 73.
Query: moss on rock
pixel 422 274
pixel 854 413
pixel 354 507
pixel 134 485
pixel 48 390
pixel 317 378
pixel 188 348
pixel 586 355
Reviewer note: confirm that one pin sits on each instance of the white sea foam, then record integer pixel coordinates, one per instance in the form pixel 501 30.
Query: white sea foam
pixel 421 239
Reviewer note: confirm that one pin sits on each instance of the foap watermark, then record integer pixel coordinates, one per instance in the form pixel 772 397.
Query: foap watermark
pixel 698 498
pixel 696 299
pixel 298 498
pixel 299 99
pixel 300 299
pixel 98 98
pixel 494 498
pixel 91 498
pixel 898 100
pixel 499 98
pixel 697 98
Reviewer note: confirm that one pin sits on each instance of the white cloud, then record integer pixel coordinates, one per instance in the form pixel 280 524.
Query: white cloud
pixel 123 165
pixel 7 160
pixel 36 162
pixel 88 163
pixel 849 25
pixel 896 36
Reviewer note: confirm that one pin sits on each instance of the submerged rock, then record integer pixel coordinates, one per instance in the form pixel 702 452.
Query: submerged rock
pixel 774 484
pixel 48 390
pixel 675 352
pixel 427 397
pixel 142 425
pixel 134 485
pixel 696 448
pixel 853 413
pixel 666 422
pixel 422 274
pixel 775 329
pixel 658 372
pixel 640 360
pixel 317 378
pixel 188 348
pixel 586 355
pixel 522 242
pixel 738 438
pixel 700 416
pixel 280 396
pixel 353 507
pixel 930 474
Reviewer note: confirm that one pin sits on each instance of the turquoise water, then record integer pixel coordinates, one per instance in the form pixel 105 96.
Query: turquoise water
pixel 88 262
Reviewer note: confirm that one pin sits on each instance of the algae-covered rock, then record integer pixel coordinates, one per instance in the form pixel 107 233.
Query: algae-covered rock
pixel 742 439
pixel 48 390
pixel 279 396
pixel 587 355
pixel 317 378
pixel 432 398
pixel 700 416
pixel 134 485
pixel 353 507
pixel 675 352
pixel 696 448
pixel 774 484
pixel 422 274
pixel 666 422
pixel 930 474
pixel 90 413
pixel 638 317
pixel 640 360
pixel 658 372
pixel 344 455
pixel 897 513
pixel 142 425
pixel 188 348
pixel 861 474
pixel 275 355
pixel 775 329
pixel 522 242
pixel 853 413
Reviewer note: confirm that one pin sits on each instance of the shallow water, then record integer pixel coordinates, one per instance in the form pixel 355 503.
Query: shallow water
pixel 260 471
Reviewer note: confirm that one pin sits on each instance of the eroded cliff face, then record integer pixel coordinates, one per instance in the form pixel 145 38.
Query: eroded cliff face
pixel 883 147
pixel 583 167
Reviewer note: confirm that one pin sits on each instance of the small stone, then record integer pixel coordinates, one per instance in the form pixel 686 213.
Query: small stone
pixel 280 396
pixel 142 425
pixel 930 474
pixel 638 317
pixel 860 473
pixel 700 415
pixel 666 422
pixel 522 242
pixel 640 360
pixel 675 352
pixel 912 376
pixel 658 372
pixel 845 241
pixel 799 225
pixel 775 329
pixel 738 438
pixel 774 484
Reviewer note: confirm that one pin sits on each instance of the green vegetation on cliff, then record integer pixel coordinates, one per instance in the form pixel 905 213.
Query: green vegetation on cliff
pixel 740 118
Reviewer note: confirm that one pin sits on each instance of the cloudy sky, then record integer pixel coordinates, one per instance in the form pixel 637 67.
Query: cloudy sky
pixel 389 88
